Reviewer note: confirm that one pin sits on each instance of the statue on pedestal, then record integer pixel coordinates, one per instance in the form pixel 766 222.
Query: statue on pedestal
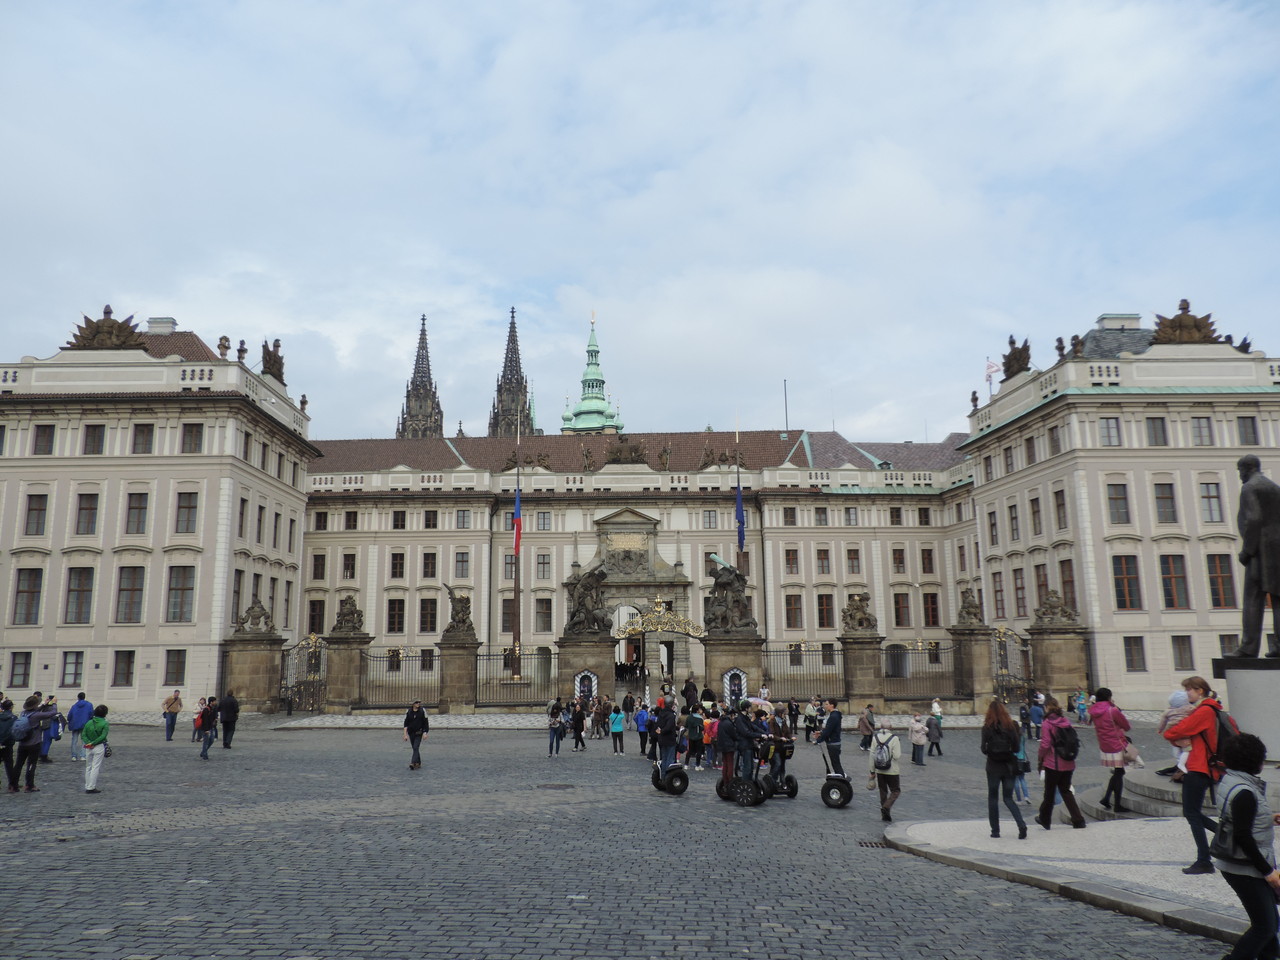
pixel 460 624
pixel 1053 610
pixel 587 612
pixel 970 612
pixel 727 606
pixel 1258 521
pixel 857 616
pixel 350 617
pixel 255 619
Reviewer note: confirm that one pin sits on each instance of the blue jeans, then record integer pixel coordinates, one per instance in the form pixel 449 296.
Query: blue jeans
pixel 415 741
pixel 553 742
pixel 206 738
pixel 1194 787
pixel 170 721
pixel 1000 781
pixel 668 758
pixel 77 746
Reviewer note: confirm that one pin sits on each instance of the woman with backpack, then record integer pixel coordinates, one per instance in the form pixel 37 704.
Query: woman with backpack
pixel 27 734
pixel 1110 724
pixel 1059 746
pixel 886 751
pixel 1000 742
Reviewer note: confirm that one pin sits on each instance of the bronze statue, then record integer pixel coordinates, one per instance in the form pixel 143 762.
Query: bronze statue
pixel 107 334
pixel 350 617
pixel 459 615
pixel 1061 348
pixel 255 619
pixel 587 613
pixel 857 616
pixel 1185 327
pixel 1258 521
pixel 1077 345
pixel 1018 359
pixel 1053 610
pixel 272 361
pixel 973 398
pixel 970 613
pixel 727 606
pixel 241 352
pixel 588 459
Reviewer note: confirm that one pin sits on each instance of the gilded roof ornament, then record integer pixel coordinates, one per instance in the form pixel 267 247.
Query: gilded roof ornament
pixel 1185 327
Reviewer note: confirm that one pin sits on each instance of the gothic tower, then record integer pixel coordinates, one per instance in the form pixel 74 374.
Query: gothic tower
pixel 421 415
pixel 511 407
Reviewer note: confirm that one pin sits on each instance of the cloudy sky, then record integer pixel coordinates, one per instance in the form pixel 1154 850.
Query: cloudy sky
pixel 862 199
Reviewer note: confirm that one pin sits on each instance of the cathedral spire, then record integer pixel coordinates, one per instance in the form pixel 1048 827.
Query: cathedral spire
pixel 593 413
pixel 512 412
pixel 421 415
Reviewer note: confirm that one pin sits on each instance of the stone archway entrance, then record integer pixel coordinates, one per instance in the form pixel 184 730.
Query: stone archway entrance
pixel 662 621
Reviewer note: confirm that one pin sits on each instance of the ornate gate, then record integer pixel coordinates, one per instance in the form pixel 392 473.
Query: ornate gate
pixel 1011 665
pixel 302 675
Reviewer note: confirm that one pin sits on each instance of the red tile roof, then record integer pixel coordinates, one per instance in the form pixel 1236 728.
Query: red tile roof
pixel 183 343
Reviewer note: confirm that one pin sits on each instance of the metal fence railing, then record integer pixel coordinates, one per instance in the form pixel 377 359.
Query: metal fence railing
pixel 803 671
pixel 920 672
pixel 396 679
pixel 497 684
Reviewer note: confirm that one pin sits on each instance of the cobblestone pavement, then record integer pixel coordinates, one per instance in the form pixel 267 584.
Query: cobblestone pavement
pixel 322 844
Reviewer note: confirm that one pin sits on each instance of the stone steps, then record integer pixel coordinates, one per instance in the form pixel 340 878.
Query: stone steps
pixel 1146 795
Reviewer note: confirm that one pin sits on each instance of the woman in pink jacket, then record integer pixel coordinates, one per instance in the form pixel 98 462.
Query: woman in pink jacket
pixel 1057 737
pixel 1110 724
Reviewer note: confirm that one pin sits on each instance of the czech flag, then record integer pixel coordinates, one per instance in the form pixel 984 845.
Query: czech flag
pixel 741 516
pixel 517 523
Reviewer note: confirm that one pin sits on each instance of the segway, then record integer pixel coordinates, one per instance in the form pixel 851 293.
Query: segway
pixel 784 783
pixel 837 789
pixel 675 781
pixel 748 791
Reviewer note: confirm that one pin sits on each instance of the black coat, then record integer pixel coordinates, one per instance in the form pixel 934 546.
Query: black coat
pixel 416 723
pixel 229 709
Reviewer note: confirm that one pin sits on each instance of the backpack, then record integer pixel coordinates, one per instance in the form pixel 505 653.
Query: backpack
pixel 1001 744
pixel 20 730
pixel 695 727
pixel 1227 730
pixel 199 721
pixel 882 758
pixel 6 731
pixel 1066 743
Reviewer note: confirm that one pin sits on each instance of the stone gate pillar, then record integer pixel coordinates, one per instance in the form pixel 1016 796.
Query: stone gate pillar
pixel 253 670
pixel 1061 658
pixel 725 652
pixel 863 671
pixel 585 651
pixel 344 665
pixel 458 670
pixel 974 679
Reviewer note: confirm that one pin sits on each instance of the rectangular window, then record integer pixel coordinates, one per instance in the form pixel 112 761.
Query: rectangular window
pixel 895 516
pixel 1037 523
pixel 899 560
pixel 1029 450
pixel 788 516
pixel 87 515
pixel 544 519
pixel 708 519
pixel 193 438
pixel 279 466
pixel 542 615
pixel 462 564
pixel 960 557
pixel 398 520
pixel 926 560
pixel 1166 505
pixel 1157 432
pixel 993 528
pixel 246 446
pixel 1222 585
pixel 135 516
pixel 1211 502
pixel 315 616
pixel 288 602
pixel 1201 432
pixel 824 562
pixel 429 565
pixel 428 610
pixel 1109 431
pixel 19 670
pixel 924 517
pixel 1019 593
pixel 1124 574
pixel 997 593
pixel 395 615
pixel 430 520
pixel 95 438
pixel 508 615
pixel 264 452
pixel 397 566
pixel 322 521
pixel 73 668
pixel 348 566
pixel 427 660
pixel 1183 656
pixel 318 566
pixel 1247 430
pixel 262 520
pixel 1118 502
pixel 175 668
pixel 509 567
pixel 144 438
pixel 182 591
pixel 1041 572
pixel 1060 508
pixel 2 438
pixel 1008 460
pixel 351 520
pixel 293 529
pixel 42 440
pixel 793 611
pixel 543 566
pixel 932 618
pixel 1015 531
pixel 129 595
pixel 1228 643
pixel 463 520
pixel 819 516
pixel 1055 441
pixel 37 514
pixel 901 610
pixel 186 519
pixel 237 590
pixel 826 611
pixel 241 519
pixel 122 668
pixel 853 560
pixel 1135 655
pixel 850 516
pixel 79 595
pixel 1067 577
pixel 988 472
pixel 509 520
pixel 791 560
pixel 1173 579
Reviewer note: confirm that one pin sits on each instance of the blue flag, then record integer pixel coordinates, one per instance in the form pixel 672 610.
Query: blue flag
pixel 741 517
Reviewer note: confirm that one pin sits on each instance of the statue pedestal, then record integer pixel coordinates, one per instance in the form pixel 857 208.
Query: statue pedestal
pixel 458 670
pixel 974 683
pixel 344 664
pixel 863 670
pixel 1061 658
pixel 1252 683
pixel 592 652
pixel 728 652
pixel 253 670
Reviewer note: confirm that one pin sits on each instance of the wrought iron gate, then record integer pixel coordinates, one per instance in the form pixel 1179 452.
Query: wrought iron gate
pixel 303 669
pixel 1011 665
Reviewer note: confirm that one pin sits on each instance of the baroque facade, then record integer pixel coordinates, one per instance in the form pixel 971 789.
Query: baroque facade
pixel 1107 477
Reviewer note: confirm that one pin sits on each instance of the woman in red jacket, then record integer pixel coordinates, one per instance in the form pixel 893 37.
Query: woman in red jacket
pixel 1110 724
pixel 1201 726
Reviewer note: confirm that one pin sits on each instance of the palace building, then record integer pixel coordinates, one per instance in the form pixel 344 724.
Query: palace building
pixel 151 487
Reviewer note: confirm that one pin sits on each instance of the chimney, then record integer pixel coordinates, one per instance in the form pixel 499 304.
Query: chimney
pixel 161 325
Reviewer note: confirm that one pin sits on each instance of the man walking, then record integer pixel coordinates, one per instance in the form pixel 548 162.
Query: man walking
pixel 830 735
pixel 77 717
pixel 416 726
pixel 208 722
pixel 229 711
pixel 171 707
pixel 628 708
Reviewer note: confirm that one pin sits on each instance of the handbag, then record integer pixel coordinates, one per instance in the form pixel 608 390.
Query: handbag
pixel 106 749
pixel 1024 765
pixel 1130 754
pixel 871 782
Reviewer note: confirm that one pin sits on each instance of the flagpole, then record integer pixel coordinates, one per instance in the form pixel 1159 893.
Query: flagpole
pixel 517 523
pixel 739 516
